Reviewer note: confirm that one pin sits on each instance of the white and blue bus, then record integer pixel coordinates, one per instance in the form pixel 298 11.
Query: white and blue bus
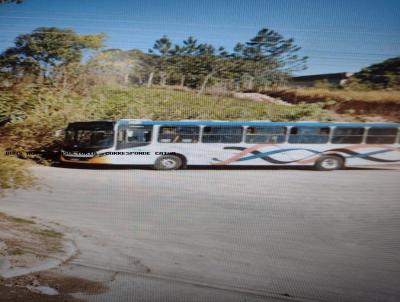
pixel 170 145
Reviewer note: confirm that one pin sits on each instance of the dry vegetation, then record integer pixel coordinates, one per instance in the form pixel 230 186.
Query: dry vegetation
pixel 362 105
pixel 26 242
pixel 342 95
pixel 13 173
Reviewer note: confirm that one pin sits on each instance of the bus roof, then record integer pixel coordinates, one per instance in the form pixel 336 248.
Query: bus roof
pixel 253 123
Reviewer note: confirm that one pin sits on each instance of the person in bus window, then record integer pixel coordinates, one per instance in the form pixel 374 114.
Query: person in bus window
pixel 251 137
pixel 147 136
pixel 273 139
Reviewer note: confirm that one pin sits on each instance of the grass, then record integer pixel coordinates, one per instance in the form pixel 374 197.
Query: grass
pixel 15 252
pixel 25 236
pixel 48 233
pixel 16 219
pixel 21 220
pixel 164 104
pixel 14 174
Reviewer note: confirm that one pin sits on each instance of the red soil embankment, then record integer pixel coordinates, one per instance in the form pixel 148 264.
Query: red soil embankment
pixel 341 104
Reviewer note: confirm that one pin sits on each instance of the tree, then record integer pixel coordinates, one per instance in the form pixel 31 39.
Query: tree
pixel 183 58
pixel 116 64
pixel 13 65
pixel 268 57
pixel 189 62
pixel 162 46
pixel 185 62
pixel 162 51
pixel 272 45
pixel 46 48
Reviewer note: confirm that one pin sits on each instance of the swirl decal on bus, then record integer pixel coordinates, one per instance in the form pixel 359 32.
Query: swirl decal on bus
pixel 347 153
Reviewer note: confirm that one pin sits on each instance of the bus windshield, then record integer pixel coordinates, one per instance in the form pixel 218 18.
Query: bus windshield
pixel 89 135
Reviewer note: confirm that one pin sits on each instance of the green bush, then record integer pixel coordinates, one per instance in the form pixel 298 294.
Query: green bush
pixel 48 111
pixel 13 173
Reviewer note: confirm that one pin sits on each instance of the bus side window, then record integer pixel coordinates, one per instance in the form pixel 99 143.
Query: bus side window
pixel 179 134
pixel 347 135
pixel 222 134
pixel 381 135
pixel 309 135
pixel 133 136
pixel 268 134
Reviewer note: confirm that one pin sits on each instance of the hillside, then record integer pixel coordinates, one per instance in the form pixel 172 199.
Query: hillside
pixel 37 112
pixel 367 105
pixel 168 104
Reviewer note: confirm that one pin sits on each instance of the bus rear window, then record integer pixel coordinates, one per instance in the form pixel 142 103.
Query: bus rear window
pixel 347 135
pixel 382 136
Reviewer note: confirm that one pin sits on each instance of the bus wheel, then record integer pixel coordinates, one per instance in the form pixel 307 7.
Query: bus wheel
pixel 329 163
pixel 168 162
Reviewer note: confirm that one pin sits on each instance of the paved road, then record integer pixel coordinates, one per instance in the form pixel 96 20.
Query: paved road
pixel 238 235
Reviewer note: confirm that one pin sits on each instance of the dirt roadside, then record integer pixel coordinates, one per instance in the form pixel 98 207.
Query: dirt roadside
pixel 30 256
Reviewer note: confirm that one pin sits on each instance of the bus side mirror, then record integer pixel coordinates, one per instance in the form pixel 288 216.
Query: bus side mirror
pixel 59 133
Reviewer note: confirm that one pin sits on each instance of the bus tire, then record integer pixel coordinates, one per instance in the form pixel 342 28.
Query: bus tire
pixel 168 162
pixel 329 163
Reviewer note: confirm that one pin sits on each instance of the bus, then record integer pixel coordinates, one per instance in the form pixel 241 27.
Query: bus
pixel 171 145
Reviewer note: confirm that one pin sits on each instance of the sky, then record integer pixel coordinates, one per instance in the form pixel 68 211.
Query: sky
pixel 336 35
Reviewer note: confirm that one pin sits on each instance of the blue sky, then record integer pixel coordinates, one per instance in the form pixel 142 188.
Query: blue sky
pixel 337 35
